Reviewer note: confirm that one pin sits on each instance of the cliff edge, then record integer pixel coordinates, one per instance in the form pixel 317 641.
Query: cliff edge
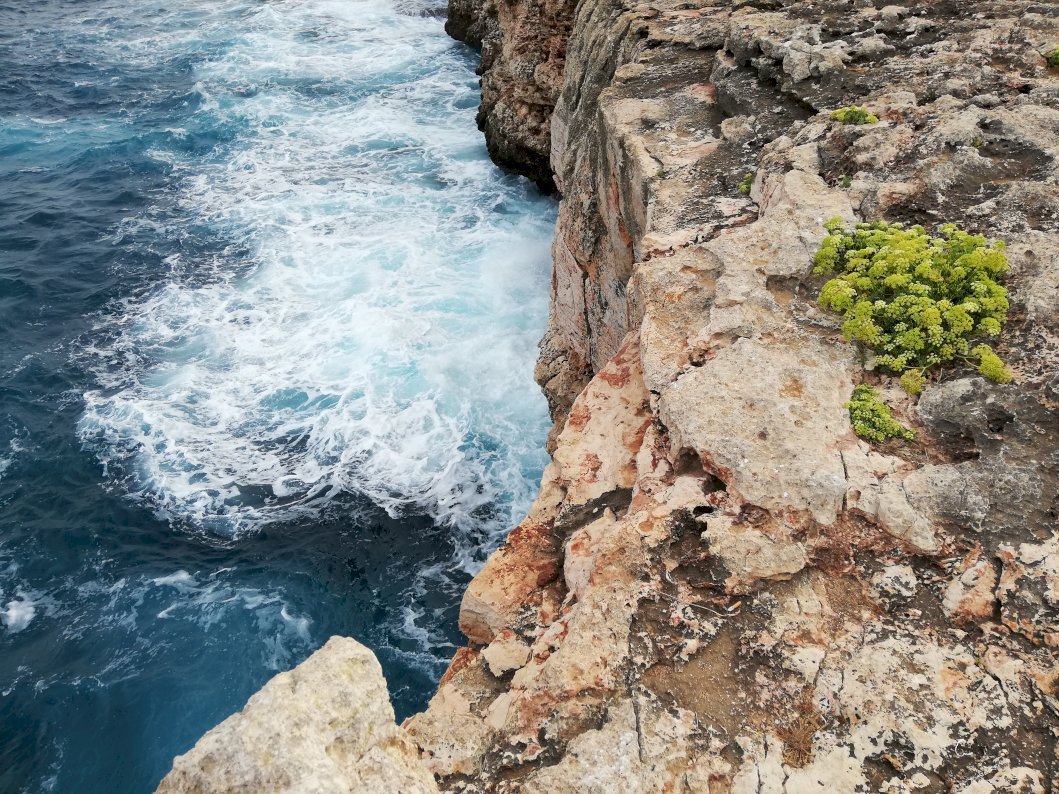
pixel 721 588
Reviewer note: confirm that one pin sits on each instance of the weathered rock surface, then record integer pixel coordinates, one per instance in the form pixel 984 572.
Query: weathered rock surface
pixel 523 45
pixel 721 588
pixel 325 726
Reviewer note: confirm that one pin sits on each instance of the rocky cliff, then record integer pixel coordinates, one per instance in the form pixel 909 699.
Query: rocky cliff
pixel 721 588
pixel 523 44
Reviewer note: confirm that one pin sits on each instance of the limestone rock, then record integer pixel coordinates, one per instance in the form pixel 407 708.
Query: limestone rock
pixel 722 588
pixel 923 697
pixel 639 742
pixel 325 726
pixel 523 47
pixel 597 447
pixel 506 653
pixel 467 21
pixel 971 595
pixel 896 581
pixel 526 561
pixel 513 574
pixel 756 414
pixel 1029 590
pixel 752 555
pixel 1020 780
pixel 452 734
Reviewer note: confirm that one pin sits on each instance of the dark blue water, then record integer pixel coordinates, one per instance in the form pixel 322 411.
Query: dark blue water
pixel 267 325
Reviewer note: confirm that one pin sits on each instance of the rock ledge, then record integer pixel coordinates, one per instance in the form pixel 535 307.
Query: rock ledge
pixel 325 726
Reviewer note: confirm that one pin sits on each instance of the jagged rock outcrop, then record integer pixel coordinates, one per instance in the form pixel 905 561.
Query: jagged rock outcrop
pixel 720 587
pixel 523 45
pixel 325 726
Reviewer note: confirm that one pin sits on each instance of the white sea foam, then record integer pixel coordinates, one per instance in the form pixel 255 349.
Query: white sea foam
pixel 21 605
pixel 17 613
pixel 14 447
pixel 177 579
pixel 380 336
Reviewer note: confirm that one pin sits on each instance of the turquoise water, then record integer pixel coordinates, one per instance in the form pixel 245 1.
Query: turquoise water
pixel 268 320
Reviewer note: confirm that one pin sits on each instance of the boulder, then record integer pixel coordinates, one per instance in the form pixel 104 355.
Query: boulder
pixel 325 726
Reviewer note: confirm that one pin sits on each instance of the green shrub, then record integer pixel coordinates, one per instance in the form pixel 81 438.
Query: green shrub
pixel 747 183
pixel 871 418
pixel 854 114
pixel 915 299
pixel 913 382
pixel 1053 58
pixel 990 366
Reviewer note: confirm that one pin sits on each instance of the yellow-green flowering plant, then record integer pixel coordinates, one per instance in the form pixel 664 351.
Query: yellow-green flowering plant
pixel 915 299
pixel 871 417
pixel 854 114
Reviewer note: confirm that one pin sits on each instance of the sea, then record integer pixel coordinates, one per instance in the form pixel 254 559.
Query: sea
pixel 268 320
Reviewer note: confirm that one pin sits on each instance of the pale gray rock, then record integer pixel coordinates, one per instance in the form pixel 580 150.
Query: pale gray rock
pixel 757 414
pixel 895 581
pixel 506 653
pixel 325 726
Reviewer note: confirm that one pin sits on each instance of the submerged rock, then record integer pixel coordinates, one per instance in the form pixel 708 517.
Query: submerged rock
pixel 325 726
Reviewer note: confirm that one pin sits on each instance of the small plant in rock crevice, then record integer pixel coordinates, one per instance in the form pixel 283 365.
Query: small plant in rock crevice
pixel 800 730
pixel 913 382
pixel 747 183
pixel 871 417
pixel 854 114
pixel 915 299
pixel 1052 59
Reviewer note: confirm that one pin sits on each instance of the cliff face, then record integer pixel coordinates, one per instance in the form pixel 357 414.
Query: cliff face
pixel 523 45
pixel 721 588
